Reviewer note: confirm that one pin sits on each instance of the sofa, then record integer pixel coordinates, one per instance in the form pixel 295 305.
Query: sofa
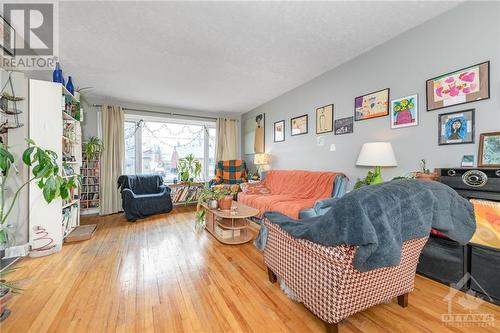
pixel 295 193
pixel 144 195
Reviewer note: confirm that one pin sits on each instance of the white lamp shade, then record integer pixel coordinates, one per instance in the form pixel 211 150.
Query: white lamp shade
pixel 261 159
pixel 377 154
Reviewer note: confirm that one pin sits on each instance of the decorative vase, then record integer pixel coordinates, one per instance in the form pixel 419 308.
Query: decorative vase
pixel 69 86
pixel 213 204
pixel 225 202
pixel 57 74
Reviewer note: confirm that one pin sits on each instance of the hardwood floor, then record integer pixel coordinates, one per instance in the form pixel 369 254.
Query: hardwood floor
pixel 159 275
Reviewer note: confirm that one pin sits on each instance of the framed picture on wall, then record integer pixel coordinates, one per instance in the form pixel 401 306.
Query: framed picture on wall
pixel 404 111
pixel 489 150
pixel 279 131
pixel 372 105
pixel 298 125
pixel 344 125
pixel 324 119
pixel 456 127
pixel 7 38
pixel 465 85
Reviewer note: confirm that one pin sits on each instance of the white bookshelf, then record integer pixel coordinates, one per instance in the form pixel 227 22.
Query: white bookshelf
pixel 53 126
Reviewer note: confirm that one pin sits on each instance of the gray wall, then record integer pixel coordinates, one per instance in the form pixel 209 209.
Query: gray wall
pixel 403 64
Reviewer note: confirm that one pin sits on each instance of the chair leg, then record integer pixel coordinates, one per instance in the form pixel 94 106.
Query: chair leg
pixel 332 328
pixel 403 300
pixel 271 275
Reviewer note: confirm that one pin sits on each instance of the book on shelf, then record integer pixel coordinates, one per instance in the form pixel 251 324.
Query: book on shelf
pixel 226 233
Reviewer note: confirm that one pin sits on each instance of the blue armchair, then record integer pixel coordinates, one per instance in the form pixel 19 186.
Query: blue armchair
pixel 144 195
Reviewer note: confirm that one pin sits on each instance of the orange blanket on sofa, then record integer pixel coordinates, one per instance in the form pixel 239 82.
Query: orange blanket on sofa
pixel 291 191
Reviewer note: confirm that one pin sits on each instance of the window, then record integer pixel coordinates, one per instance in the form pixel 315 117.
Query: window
pixel 154 145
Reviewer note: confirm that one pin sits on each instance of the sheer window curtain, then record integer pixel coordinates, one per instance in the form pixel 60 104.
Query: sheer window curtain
pixel 227 139
pixel 112 126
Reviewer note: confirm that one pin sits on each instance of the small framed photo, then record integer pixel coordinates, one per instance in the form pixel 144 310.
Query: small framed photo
pixel 465 85
pixel 372 105
pixel 344 125
pixel 489 150
pixel 7 38
pixel 279 131
pixel 404 111
pixel 299 125
pixel 467 161
pixel 456 127
pixel 324 119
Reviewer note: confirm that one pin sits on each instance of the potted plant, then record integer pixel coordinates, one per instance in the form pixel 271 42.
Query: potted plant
pixel 189 168
pixel 225 196
pixel 425 173
pixel 46 174
pixel 93 148
pixel 208 196
pixel 7 290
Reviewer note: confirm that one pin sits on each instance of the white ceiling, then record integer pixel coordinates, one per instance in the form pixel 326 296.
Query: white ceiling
pixel 221 56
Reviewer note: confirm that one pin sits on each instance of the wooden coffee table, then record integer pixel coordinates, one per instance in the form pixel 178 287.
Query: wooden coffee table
pixel 230 227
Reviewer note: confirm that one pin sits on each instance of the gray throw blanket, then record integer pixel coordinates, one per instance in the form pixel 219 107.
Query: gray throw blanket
pixel 379 218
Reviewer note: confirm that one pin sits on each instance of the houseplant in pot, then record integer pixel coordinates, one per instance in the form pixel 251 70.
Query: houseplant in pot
pixel 189 168
pixel 45 172
pixel 7 290
pixel 93 148
pixel 425 173
pixel 225 196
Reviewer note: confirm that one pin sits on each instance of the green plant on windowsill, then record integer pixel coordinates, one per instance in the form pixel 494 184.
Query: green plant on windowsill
pixel 45 172
pixel 189 168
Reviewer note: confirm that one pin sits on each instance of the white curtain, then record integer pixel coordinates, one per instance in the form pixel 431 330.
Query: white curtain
pixel 227 139
pixel 113 155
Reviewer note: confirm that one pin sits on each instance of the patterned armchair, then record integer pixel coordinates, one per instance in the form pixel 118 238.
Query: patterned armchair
pixel 325 280
pixel 230 172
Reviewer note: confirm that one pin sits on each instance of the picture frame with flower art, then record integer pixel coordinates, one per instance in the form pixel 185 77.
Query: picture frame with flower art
pixel 404 111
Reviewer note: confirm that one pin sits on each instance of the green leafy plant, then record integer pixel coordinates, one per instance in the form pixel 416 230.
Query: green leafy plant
pixel 366 181
pixel 93 147
pixel 189 168
pixel 45 172
pixel 4 285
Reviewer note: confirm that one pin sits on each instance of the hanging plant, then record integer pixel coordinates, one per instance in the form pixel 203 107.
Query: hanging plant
pixel 93 148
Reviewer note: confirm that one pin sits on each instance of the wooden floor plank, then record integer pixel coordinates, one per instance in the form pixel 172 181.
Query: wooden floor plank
pixel 160 275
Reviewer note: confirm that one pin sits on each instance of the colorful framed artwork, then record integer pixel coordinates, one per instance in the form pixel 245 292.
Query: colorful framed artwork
pixel 324 119
pixel 298 125
pixel 404 111
pixel 279 131
pixel 489 150
pixel 466 85
pixel 7 38
pixel 344 125
pixel 456 127
pixel 372 105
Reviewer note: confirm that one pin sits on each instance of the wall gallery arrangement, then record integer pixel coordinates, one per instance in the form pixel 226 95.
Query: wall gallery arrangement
pixel 372 105
pixel 404 111
pixel 279 131
pixel 466 85
pixel 324 119
pixel 299 125
pixel 456 127
pixel 463 86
